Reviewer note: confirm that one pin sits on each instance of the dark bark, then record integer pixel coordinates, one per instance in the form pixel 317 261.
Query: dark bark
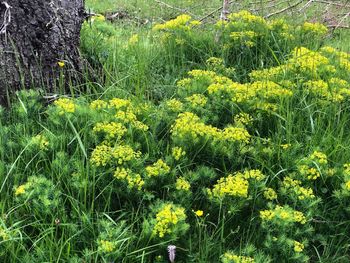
pixel 34 36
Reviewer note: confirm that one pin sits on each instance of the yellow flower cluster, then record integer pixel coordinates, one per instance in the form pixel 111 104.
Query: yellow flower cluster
pixel 111 129
pixel 315 28
pixel 98 105
pixel 246 38
pixel 298 247
pixel 4 234
pixel 189 125
pixel 294 186
pixel 270 194
pixel 182 184
pixel 106 246
pixel 233 134
pixel 174 105
pixel 319 157
pixel 132 179
pixel 117 103
pixel 283 214
pixel 322 89
pixel 230 257
pixel 128 116
pixel 243 119
pixel 104 154
pixel 306 60
pixel 247 18
pixel 101 155
pixel 65 105
pixel 21 189
pixel 302 60
pixel 124 153
pixel 347 185
pixel 177 153
pixel 285 146
pixel 232 185
pixel 182 22
pixel 40 141
pixel 252 174
pixel 159 168
pixel 167 218
pixel 250 92
pixel 197 100
pixel 310 173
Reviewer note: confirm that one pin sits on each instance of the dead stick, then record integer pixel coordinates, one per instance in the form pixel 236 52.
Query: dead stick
pixel 174 7
pixel 284 9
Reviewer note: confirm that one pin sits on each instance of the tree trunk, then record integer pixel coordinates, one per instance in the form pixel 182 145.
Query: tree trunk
pixel 35 35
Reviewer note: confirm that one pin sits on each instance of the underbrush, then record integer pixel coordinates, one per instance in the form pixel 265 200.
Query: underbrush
pixel 228 141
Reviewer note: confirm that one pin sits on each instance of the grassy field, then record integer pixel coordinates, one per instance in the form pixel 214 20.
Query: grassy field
pixel 228 140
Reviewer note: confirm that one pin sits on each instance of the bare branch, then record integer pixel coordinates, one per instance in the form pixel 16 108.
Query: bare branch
pixel 174 7
pixel 284 9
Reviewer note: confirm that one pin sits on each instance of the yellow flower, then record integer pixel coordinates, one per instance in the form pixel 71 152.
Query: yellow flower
pixel 182 184
pixel 167 218
pixel 177 153
pixel 132 179
pixel 232 185
pixel 199 213
pixel 298 247
pixel 20 190
pixel 40 141
pixel 285 146
pixel 106 246
pixel 111 129
pixel 347 185
pixel 270 194
pixel 98 104
pixel 316 28
pixel 98 17
pixel 158 168
pixel 65 105
pixel 231 257
pixel 61 64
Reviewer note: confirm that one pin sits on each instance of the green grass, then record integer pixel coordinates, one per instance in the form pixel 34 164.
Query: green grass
pixel 177 121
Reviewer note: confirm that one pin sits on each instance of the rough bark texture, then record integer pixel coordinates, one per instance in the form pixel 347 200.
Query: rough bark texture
pixel 34 36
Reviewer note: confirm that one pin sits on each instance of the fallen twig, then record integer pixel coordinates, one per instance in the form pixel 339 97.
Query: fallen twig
pixel 174 7
pixel 284 9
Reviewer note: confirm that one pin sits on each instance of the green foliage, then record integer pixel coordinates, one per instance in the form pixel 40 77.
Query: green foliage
pixel 228 141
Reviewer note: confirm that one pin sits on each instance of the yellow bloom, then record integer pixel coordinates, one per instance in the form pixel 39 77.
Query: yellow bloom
pixel 40 141
pixel 65 105
pixel 270 194
pixel 182 184
pixel 157 169
pixel 347 185
pixel 298 247
pixel 167 218
pixel 20 190
pixel 199 213
pixel 106 246
pixel 177 153
pixel 61 64
pixel 232 185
